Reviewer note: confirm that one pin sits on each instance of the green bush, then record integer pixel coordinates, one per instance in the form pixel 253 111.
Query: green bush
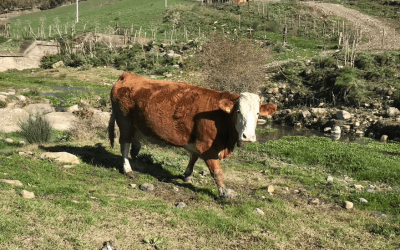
pixel 3 104
pixel 36 129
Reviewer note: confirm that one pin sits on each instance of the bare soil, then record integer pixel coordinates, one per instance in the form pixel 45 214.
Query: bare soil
pixel 380 34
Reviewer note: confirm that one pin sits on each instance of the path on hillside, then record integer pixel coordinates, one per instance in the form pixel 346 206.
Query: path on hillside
pixel 372 28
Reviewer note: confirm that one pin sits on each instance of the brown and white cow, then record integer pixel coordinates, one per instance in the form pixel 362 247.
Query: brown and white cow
pixel 205 122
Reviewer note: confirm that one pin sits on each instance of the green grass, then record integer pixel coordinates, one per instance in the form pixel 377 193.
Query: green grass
pixel 359 161
pixel 64 207
pixel 99 15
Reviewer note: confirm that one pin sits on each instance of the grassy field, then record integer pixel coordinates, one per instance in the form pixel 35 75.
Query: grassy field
pixel 99 15
pixel 83 206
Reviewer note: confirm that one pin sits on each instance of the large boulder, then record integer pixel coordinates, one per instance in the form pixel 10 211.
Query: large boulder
pixel 62 157
pixel 392 111
pixel 100 119
pixel 10 118
pixel 343 115
pixel 39 109
pixel 61 120
pixel 3 98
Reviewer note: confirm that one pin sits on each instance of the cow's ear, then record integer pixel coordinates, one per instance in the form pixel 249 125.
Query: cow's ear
pixel 226 105
pixel 267 109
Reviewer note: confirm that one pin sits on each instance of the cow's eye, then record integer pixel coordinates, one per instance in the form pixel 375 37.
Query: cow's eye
pixel 258 113
pixel 238 111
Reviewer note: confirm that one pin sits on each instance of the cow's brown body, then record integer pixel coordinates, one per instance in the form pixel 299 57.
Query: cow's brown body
pixel 177 114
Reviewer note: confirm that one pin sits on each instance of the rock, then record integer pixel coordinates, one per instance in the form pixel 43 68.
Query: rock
pixel 358 187
pixel 286 189
pixel 346 128
pixel 336 130
pixel 10 118
pixel 343 115
pixel 314 201
pixel 371 191
pixel 362 200
pixel 306 113
pixel 348 205
pixel 61 120
pixel 147 187
pixel 132 185
pixel 100 119
pixel 327 129
pixel 180 205
pixel 72 108
pixel 359 132
pixel 226 193
pixel 261 121
pixel 57 64
pixel 22 143
pixel 3 98
pixel 329 179
pixel 68 166
pixel 384 138
pixel 270 189
pixel 357 124
pixel 21 98
pixel 110 245
pixel 12 182
pixel 259 211
pixel 168 75
pixel 62 157
pixel 392 111
pixel 176 189
pixel 39 109
pixel 8 140
pixel 318 111
pixel 27 195
pixel 379 214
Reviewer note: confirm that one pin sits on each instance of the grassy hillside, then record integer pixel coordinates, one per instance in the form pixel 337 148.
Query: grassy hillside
pixel 102 15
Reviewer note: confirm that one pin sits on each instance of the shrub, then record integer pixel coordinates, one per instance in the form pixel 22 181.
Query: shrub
pixel 233 66
pixel 36 129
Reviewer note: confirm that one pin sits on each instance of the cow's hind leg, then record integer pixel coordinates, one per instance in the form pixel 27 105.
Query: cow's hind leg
pixel 188 175
pixel 216 172
pixel 136 146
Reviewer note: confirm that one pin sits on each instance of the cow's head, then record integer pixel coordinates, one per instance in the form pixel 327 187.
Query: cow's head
pixel 246 110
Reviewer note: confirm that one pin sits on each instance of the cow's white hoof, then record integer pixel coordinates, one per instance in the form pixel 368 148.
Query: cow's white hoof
pixel 189 179
pixel 226 193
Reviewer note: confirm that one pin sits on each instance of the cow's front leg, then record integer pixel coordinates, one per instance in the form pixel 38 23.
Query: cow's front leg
pixel 188 175
pixel 125 154
pixel 216 172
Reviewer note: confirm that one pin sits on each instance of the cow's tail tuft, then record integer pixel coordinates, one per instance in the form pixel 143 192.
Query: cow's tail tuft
pixel 111 131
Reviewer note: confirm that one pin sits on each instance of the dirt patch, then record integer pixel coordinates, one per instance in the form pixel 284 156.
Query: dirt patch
pixel 381 35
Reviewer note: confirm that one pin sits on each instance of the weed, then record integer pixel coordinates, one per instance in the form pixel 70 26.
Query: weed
pixel 154 241
pixel 36 129
pixel 3 104
pixel 234 66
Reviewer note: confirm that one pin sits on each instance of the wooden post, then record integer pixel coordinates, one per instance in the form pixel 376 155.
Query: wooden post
pixel 284 35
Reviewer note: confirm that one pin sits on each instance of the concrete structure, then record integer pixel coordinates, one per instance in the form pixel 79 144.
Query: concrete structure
pixel 29 56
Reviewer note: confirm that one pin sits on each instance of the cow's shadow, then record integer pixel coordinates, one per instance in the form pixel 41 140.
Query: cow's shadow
pixel 97 155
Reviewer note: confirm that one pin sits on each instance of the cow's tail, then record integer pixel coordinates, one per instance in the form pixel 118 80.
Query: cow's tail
pixel 111 131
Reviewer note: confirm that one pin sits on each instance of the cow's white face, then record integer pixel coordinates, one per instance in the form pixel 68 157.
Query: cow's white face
pixel 248 110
